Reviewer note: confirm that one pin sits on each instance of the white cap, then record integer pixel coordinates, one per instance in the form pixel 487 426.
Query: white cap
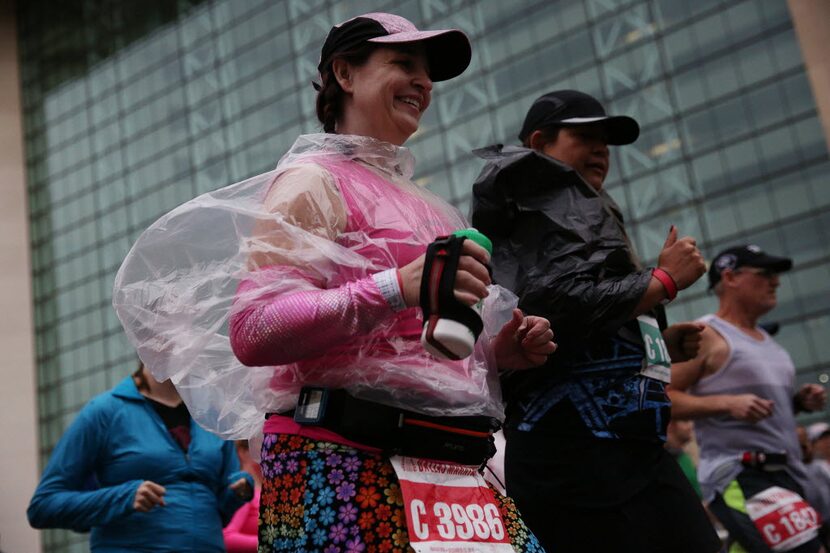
pixel 817 430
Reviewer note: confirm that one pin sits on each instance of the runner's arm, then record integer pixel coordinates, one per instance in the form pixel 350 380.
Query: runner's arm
pixel 746 407
pixel 688 406
pixel 283 311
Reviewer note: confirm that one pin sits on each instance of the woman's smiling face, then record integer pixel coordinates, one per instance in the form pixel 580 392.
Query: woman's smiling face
pixel 385 96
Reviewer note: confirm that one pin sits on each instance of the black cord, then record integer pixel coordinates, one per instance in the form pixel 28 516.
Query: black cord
pixel 487 466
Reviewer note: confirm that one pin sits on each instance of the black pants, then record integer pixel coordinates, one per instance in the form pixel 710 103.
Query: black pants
pixel 581 494
pixel 665 517
pixel 740 526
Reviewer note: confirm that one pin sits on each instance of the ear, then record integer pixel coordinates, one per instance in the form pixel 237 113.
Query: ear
pixel 342 71
pixel 728 276
pixel 537 140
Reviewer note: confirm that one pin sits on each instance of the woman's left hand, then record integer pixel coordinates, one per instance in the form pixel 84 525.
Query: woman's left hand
pixel 523 342
pixel 242 489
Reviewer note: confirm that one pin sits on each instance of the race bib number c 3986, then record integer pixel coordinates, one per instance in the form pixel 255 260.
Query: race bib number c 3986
pixel 449 508
pixel 783 518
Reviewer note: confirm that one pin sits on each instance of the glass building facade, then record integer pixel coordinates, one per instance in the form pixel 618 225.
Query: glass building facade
pixel 131 111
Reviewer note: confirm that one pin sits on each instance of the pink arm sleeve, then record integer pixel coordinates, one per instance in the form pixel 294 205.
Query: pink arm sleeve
pixel 289 327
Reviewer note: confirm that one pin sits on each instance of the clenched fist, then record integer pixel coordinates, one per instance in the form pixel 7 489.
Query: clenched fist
pixel 681 259
pixel 750 408
pixel 148 495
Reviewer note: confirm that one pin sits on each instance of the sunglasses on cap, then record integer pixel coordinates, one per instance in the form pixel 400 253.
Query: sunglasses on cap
pixel 766 273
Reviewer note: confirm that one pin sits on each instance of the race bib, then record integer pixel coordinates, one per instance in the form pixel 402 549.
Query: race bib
pixel 657 363
pixel 783 518
pixel 449 508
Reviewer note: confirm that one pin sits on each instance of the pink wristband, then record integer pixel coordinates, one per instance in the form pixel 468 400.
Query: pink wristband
pixel 667 281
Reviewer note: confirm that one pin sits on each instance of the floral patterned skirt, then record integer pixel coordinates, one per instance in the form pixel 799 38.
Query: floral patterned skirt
pixel 332 498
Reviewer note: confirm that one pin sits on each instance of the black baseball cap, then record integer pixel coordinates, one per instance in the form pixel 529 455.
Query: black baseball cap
pixel 748 255
pixel 448 51
pixel 570 108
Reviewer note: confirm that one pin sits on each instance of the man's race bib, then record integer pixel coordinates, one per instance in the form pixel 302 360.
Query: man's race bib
pixel 784 519
pixel 657 363
pixel 449 508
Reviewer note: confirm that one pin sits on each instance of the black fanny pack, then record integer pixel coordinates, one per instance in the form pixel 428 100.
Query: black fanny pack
pixel 465 440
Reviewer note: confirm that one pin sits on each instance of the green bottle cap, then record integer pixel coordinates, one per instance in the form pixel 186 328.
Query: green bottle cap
pixel 477 237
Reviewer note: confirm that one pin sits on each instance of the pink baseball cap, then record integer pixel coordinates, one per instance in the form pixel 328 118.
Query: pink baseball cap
pixel 448 51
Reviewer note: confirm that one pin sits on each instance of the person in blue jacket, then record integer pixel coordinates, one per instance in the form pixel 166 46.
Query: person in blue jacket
pixel 165 484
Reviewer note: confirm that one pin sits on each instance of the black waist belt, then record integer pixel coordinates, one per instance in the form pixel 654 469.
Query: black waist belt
pixel 764 460
pixel 465 440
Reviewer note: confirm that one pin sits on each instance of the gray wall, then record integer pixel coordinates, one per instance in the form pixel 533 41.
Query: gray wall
pixel 18 423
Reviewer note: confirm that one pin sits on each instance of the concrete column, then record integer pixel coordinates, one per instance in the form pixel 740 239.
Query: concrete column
pixel 18 392
pixel 811 19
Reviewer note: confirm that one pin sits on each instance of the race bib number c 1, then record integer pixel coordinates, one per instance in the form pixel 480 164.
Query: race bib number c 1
pixel 657 363
pixel 449 508
pixel 784 519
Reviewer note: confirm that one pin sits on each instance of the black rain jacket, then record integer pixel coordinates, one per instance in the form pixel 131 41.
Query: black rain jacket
pixel 561 247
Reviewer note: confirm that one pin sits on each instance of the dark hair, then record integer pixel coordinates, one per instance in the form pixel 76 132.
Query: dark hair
pixel 330 96
pixel 140 378
pixel 549 134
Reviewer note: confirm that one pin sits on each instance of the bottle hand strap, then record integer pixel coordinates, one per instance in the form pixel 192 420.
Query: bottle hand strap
pixel 437 283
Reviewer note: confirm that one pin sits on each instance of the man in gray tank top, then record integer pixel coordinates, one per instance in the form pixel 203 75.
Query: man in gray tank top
pixel 740 388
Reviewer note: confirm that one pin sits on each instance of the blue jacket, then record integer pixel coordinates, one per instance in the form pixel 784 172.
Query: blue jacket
pixel 121 440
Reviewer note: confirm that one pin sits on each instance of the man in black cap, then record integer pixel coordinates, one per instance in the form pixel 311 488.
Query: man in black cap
pixel 740 387
pixel 584 457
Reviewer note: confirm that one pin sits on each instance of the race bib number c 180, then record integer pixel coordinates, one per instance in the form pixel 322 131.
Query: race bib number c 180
pixel 783 518
pixel 449 508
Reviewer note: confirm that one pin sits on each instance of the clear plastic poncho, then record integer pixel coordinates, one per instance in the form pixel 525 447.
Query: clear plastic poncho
pixel 280 269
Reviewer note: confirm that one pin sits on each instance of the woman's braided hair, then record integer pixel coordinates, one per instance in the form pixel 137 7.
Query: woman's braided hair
pixel 330 96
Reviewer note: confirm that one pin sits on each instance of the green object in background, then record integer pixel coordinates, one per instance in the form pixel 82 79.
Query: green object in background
pixel 688 468
pixel 734 498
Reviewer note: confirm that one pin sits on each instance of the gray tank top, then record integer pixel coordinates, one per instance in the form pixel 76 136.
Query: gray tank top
pixel 760 367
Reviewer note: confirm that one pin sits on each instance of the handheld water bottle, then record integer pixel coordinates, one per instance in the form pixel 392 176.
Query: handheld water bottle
pixel 450 327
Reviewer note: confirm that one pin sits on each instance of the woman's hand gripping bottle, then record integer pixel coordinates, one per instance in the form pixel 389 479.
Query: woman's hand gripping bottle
pixel 450 327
